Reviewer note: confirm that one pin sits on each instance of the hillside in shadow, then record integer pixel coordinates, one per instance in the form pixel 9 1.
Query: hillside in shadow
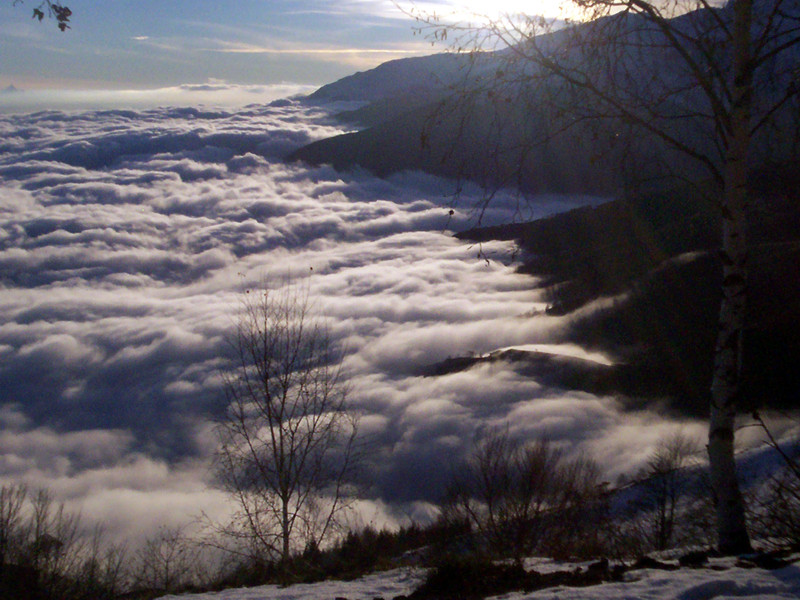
pixel 655 255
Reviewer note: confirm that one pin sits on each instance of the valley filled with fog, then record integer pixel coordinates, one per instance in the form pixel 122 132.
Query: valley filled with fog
pixel 127 240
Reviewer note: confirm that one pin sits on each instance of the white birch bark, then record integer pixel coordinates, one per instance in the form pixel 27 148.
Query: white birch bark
pixel 726 383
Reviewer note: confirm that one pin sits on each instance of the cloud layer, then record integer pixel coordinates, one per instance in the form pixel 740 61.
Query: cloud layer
pixel 126 240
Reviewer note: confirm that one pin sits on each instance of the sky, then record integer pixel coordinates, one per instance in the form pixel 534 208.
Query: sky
pixel 150 44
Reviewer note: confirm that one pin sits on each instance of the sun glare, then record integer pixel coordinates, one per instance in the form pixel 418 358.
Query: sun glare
pixel 493 9
pixel 490 7
pixel 474 12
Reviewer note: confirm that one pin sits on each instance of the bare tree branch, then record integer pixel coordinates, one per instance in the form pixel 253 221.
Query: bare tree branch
pixel 287 441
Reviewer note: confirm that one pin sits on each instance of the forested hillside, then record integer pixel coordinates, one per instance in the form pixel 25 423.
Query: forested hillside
pixel 657 255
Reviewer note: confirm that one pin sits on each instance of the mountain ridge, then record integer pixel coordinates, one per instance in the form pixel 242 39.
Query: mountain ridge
pixel 501 122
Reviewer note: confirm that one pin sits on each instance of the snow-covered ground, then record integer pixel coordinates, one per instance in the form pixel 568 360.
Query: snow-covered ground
pixel 720 580
pixel 386 584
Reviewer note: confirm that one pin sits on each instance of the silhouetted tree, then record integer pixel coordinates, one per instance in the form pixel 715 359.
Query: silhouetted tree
pixel 166 561
pixel 287 439
pixel 667 483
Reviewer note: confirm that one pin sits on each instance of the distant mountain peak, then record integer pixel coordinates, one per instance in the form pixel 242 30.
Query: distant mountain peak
pixel 11 89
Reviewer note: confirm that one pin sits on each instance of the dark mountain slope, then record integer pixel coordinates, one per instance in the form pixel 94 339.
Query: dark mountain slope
pixel 657 255
pixel 493 142
pixel 503 124
pixel 418 76
pixel 497 119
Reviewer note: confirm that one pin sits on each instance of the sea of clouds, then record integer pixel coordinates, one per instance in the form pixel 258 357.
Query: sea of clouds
pixel 127 238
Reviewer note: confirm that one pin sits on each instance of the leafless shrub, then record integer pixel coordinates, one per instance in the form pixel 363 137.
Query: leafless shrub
pixel 579 523
pixel 102 572
pixel 53 544
pixel 667 485
pixel 516 496
pixel 776 506
pixel 166 561
pixel 777 513
pixel 45 553
pixel 669 502
pixel 12 498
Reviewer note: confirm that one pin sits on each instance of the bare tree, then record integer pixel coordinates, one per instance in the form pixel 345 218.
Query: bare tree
pixel 54 542
pixel 12 498
pixel 102 573
pixel 667 483
pixel 715 85
pixel 45 553
pixel 287 439
pixel 166 561
pixel 514 494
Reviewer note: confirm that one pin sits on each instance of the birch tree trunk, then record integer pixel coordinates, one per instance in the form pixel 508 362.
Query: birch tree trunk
pixel 726 383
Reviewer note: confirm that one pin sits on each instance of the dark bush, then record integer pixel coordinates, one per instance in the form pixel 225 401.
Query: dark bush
pixel 475 577
pixel 518 497
pixel 471 577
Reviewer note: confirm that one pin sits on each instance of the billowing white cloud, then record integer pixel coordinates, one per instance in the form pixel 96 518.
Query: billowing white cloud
pixel 126 239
